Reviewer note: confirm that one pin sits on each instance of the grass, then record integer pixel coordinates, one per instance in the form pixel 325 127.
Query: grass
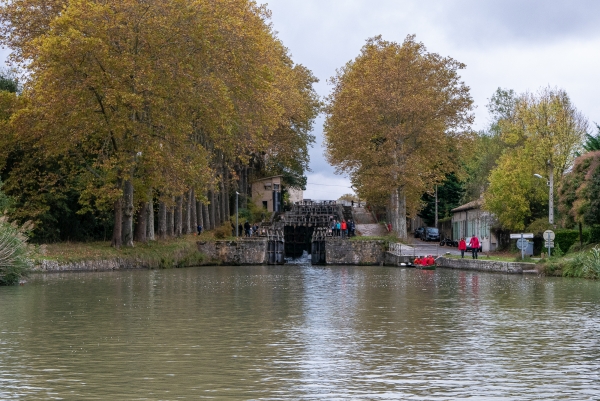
pixel 488 256
pixel 176 252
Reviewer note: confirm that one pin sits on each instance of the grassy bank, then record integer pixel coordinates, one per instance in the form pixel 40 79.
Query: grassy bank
pixel 584 264
pixel 175 252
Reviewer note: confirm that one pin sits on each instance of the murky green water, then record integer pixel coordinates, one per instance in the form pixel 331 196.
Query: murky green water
pixel 299 333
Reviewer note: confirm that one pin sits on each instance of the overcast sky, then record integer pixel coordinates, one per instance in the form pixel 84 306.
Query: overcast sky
pixel 518 44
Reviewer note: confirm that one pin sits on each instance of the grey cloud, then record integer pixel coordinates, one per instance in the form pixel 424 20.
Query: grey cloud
pixel 490 23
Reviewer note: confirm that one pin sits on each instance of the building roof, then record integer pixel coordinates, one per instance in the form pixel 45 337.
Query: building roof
pixel 266 178
pixel 476 204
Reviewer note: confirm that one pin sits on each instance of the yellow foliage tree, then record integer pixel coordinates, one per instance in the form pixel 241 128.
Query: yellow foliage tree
pixel 397 121
pixel 544 133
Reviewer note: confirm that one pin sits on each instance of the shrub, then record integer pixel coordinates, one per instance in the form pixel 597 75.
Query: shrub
pixel 223 231
pixel 566 238
pixel 594 237
pixel 584 265
pixel 15 260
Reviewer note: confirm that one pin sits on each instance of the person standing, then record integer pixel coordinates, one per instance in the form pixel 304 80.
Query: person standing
pixel 247 228
pixel 474 246
pixel 344 229
pixel 462 247
pixel 338 228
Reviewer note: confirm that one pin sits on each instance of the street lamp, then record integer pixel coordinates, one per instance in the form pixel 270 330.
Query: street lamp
pixel 550 184
pixel 237 233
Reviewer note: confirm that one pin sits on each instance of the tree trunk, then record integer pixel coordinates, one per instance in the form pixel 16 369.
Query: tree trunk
pixel 227 197
pixel 244 188
pixel 178 215
pixel 224 216
pixel 218 220
pixel 199 218
pixel 205 216
pixel 162 220
pixel 117 240
pixel 185 213
pixel 128 214
pixel 211 199
pixel 193 213
pixel 171 221
pixel 140 224
pixel 398 212
pixel 150 219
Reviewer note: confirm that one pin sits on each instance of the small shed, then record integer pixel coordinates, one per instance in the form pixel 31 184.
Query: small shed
pixel 469 219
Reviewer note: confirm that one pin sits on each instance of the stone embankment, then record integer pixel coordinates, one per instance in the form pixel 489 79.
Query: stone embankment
pixel 344 252
pixel 247 251
pixel 90 265
pixel 483 265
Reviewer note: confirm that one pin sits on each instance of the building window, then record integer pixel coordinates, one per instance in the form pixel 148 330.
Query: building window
pixel 276 187
pixel 268 185
pixel 265 205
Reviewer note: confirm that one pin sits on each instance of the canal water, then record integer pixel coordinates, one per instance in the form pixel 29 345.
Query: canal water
pixel 299 333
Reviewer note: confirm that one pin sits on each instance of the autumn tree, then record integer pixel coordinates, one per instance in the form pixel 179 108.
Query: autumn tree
pixel 158 100
pixel 543 135
pixel 397 121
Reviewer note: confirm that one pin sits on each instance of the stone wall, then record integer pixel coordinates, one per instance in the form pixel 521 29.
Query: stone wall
pixel 484 265
pixel 391 259
pixel 345 252
pixel 89 265
pixel 248 251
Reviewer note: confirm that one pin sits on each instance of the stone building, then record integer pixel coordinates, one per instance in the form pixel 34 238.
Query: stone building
pixel 267 193
pixel 469 219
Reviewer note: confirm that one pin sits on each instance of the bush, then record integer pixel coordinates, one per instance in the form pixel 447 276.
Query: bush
pixel 566 238
pixel 15 259
pixel 224 231
pixel 594 237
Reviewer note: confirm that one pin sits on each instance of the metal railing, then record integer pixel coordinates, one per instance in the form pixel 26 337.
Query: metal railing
pixel 400 249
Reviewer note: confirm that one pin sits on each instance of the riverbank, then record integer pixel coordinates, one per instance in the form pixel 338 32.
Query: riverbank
pixel 95 256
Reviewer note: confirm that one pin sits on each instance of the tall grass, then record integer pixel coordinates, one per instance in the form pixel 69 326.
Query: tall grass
pixel 15 260
pixel 584 265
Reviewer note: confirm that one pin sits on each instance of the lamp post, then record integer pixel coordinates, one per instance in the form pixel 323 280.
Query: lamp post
pixel 237 233
pixel 550 184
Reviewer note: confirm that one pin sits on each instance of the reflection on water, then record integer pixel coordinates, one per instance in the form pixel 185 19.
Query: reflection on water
pixel 299 332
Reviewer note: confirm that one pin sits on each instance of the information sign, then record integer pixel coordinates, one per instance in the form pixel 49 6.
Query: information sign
pixel 549 235
pixel 522 243
pixel 517 236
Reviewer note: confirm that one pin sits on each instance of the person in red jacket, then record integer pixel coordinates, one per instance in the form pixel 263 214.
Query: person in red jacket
pixel 462 247
pixel 475 246
pixel 344 229
pixel 417 261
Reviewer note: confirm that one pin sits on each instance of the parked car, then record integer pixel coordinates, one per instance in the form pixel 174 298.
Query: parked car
pixel 469 249
pixel 419 232
pixel 431 234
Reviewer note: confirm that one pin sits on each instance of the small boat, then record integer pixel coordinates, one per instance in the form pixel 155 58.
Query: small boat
pixel 425 263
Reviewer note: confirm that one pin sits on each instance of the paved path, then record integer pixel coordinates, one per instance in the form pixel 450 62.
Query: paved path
pixel 417 247
pixel 371 230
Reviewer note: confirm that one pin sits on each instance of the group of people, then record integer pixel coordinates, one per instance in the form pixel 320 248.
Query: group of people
pixel 246 230
pixel 342 228
pixel 473 244
pixel 424 261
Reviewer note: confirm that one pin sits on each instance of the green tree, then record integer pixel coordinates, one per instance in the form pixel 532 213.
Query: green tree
pixel 592 142
pixel 544 133
pixel 450 195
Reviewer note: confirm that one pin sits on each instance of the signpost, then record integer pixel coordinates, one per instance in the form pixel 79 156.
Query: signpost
pixel 549 238
pixel 522 242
